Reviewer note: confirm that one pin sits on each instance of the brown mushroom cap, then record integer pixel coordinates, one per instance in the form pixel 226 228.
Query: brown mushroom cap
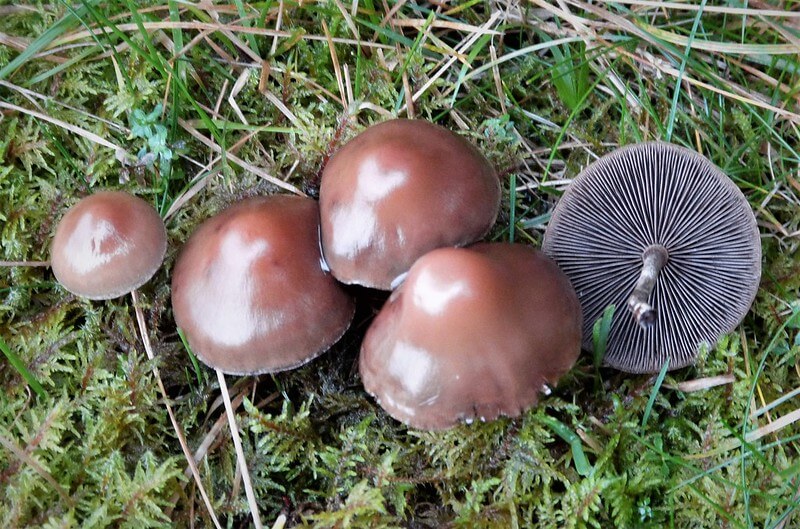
pixel 472 333
pixel 660 229
pixel 108 244
pixel 398 190
pixel 249 291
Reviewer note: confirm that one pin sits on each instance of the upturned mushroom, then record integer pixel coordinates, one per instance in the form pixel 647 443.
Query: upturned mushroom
pixel 249 290
pixel 107 245
pixel 472 333
pixel 658 229
pixel 398 190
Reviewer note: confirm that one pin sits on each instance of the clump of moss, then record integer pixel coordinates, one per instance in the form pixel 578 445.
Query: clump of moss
pixel 541 94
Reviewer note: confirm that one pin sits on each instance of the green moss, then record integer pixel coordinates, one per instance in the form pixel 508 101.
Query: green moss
pixel 98 450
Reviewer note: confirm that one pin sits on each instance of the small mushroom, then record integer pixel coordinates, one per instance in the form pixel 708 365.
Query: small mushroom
pixel 658 229
pixel 249 291
pixel 107 245
pixel 398 190
pixel 472 333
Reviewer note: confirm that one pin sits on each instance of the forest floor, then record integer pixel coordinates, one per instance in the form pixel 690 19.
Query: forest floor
pixel 193 106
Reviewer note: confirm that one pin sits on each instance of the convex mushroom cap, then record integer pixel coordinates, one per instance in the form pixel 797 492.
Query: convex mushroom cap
pixel 107 245
pixel 398 190
pixel 249 291
pixel 662 234
pixel 472 333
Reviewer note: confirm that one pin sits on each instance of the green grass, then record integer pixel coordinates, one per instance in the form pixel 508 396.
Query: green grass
pixel 84 437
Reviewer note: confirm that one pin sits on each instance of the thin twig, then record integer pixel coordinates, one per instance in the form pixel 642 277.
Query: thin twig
pixel 22 455
pixel 235 159
pixel 119 151
pixel 24 263
pixel 237 443
pixel 178 430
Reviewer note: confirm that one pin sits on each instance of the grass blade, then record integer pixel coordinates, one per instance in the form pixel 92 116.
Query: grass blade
pixel 654 393
pixel 17 363
pixel 53 32
pixel 564 432
pixel 600 331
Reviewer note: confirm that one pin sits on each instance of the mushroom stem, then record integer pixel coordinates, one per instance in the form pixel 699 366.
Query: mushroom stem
pixel 653 260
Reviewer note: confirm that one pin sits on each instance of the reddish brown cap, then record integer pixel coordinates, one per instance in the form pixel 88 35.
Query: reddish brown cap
pixel 398 190
pixel 108 244
pixel 249 290
pixel 472 333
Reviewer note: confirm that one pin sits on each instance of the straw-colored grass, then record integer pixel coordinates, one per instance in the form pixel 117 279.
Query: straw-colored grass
pixel 254 98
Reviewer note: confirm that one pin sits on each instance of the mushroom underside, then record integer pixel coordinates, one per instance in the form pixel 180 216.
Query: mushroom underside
pixel 646 196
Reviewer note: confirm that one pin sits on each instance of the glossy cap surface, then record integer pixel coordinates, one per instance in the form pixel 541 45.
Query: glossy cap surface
pixel 472 333
pixel 108 244
pixel 249 291
pixel 398 190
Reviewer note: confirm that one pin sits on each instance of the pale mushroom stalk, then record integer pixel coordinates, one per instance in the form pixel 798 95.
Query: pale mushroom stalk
pixel 653 260
pixel 107 245
pixel 251 296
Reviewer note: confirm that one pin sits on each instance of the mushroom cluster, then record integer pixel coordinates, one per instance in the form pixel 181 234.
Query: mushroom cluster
pixel 470 332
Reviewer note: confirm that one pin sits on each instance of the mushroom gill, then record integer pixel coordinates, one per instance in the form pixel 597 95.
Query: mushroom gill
pixel 658 229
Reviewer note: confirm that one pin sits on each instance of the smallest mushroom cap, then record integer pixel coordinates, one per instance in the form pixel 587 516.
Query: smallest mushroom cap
pixel 108 244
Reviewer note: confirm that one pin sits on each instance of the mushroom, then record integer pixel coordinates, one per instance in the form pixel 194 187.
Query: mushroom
pixel 472 333
pixel 249 290
pixel 398 190
pixel 107 245
pixel 659 229
pixel 251 295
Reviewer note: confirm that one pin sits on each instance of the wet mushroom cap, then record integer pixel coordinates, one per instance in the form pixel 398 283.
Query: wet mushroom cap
pixel 249 291
pixel 659 229
pixel 108 244
pixel 398 190
pixel 472 333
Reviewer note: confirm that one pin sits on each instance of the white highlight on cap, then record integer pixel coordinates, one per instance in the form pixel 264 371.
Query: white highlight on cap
pixel 432 294
pixel 399 406
pixel 84 245
pixel 220 300
pixel 412 366
pixel 355 226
